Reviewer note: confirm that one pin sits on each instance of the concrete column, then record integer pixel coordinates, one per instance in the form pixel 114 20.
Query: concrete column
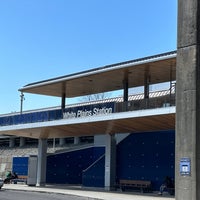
pixel 110 162
pixel 41 167
pixel 76 140
pixel 21 141
pixel 62 142
pixel 188 102
pixel 11 142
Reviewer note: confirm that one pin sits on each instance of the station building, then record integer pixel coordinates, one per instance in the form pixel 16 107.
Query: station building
pixel 134 137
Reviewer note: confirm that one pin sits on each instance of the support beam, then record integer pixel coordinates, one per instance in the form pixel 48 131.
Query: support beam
pixel 146 86
pixel 41 167
pixel 188 102
pixel 110 162
pixel 63 96
pixel 171 85
pixel 63 101
pixel 146 83
pixel 125 84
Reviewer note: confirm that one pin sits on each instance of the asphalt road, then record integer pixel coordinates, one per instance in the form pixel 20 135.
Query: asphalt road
pixel 20 195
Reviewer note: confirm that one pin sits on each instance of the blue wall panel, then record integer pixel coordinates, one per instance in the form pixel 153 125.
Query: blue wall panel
pixel 94 175
pixel 20 165
pixel 140 156
pixel 147 156
pixel 67 167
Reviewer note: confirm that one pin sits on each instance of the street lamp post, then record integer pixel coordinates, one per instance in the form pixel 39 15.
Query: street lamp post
pixel 21 104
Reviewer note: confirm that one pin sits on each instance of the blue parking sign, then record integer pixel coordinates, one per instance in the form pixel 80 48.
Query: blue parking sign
pixel 185 167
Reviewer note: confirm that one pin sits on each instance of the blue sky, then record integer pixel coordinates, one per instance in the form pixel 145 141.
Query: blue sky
pixel 41 39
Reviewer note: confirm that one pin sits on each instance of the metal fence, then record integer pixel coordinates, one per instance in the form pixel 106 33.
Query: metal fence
pixel 149 103
pixel 89 110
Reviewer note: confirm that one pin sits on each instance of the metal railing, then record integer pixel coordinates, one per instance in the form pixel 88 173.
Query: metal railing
pixel 150 103
pixel 50 115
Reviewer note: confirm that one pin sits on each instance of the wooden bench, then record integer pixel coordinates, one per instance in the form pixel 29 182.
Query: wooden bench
pixel 135 184
pixel 20 178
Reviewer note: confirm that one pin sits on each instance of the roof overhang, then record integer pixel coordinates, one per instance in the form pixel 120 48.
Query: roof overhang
pixel 159 68
pixel 126 122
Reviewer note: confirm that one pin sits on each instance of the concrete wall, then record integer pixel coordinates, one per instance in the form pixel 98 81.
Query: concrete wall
pixel 5 165
pixel 187 100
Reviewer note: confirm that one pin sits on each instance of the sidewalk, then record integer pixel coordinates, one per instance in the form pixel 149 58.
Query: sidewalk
pixel 100 195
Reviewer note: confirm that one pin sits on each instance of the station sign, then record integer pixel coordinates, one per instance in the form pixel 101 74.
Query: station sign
pixel 88 111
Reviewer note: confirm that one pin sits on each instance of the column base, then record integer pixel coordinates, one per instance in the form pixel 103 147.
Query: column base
pixel 110 188
pixel 40 184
